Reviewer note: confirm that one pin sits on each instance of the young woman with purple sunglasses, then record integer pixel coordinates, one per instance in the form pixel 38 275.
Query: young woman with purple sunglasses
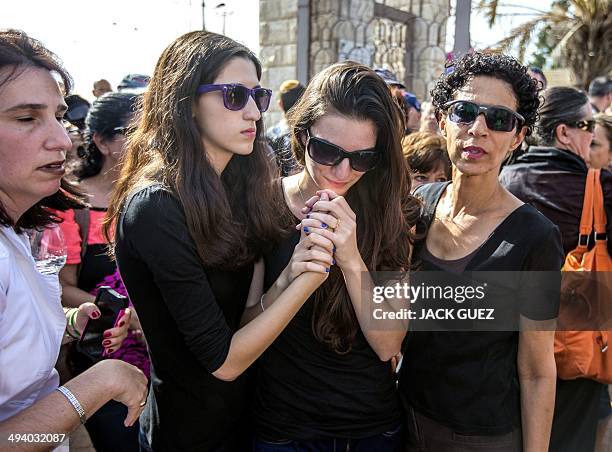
pixel 194 209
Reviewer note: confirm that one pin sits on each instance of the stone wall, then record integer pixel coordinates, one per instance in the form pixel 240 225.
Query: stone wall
pixel 278 41
pixel 411 43
pixel 429 44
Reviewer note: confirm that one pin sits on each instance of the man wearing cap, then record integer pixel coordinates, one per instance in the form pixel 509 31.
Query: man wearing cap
pixel 408 102
pixel 279 136
pixel 390 78
pixel 413 115
pixel 134 83
pixel 600 94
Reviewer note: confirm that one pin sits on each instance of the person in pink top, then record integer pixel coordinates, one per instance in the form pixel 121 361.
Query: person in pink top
pixel 88 265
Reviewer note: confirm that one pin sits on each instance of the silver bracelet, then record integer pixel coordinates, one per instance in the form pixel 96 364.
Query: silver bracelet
pixel 261 302
pixel 74 402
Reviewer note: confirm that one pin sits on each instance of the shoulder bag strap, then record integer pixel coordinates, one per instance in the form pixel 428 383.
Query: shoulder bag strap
pixel 599 212
pixel 586 218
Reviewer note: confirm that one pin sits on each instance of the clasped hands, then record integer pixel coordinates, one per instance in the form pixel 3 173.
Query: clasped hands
pixel 328 236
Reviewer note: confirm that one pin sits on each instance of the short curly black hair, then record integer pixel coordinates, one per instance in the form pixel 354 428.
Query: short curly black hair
pixel 503 67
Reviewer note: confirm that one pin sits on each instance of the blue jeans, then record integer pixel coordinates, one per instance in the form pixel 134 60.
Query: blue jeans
pixel 144 442
pixel 385 442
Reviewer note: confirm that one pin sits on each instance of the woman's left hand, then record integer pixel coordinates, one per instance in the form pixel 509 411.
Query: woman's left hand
pixel 335 220
pixel 113 337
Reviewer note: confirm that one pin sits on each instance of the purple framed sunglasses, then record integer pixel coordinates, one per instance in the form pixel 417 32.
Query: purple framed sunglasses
pixel 236 96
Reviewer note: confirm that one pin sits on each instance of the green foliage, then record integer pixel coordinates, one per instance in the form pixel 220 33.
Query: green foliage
pixel 574 33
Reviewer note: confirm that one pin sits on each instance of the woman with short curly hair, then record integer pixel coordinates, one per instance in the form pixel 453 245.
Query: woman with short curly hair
pixel 482 390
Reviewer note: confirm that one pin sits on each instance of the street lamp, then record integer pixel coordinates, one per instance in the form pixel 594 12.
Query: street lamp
pixel 222 10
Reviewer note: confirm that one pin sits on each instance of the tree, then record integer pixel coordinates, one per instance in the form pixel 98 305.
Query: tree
pixel 578 32
pixel 542 56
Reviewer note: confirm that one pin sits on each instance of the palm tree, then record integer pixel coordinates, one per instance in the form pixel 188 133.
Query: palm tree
pixel 580 33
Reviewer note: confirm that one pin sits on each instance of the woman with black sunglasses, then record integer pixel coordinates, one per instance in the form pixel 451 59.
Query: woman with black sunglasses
pixel 327 382
pixel 479 390
pixel 194 208
pixel 551 177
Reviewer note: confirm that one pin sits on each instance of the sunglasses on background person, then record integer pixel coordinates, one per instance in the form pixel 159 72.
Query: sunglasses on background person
pixel 123 130
pixel 328 154
pixel 499 119
pixel 588 125
pixel 235 96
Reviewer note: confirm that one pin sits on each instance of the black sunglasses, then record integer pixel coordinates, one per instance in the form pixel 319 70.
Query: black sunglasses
pixel 499 119
pixel 123 130
pixel 328 154
pixel 588 125
pixel 235 96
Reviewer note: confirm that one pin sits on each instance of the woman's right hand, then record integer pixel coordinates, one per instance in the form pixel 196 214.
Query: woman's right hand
pixel 128 385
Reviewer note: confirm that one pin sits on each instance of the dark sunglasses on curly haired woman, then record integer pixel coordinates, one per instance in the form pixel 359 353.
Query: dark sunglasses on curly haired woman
pixel 499 119
pixel 236 96
pixel 329 154
pixel 588 125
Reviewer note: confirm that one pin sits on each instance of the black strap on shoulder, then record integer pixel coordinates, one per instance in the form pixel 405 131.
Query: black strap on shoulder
pixel 429 195
pixel 81 217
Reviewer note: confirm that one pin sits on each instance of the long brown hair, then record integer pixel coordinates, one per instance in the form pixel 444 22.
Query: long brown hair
pixel 230 217
pixel 381 199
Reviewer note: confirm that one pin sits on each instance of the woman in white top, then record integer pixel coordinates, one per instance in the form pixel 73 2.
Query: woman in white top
pixel 33 146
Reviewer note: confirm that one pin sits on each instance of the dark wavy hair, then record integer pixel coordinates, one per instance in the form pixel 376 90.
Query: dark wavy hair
pixel 108 112
pixel 500 66
pixel 562 105
pixel 231 217
pixel 381 199
pixel 18 52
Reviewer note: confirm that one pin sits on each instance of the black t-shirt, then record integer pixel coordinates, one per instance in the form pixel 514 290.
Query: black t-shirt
pixel 306 391
pixel 188 314
pixel 468 381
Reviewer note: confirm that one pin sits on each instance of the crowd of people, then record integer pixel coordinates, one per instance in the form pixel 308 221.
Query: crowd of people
pixel 249 257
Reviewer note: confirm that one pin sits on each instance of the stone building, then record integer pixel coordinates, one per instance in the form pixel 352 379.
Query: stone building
pixel 300 37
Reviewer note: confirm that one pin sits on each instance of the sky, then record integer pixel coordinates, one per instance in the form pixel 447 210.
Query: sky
pixel 112 38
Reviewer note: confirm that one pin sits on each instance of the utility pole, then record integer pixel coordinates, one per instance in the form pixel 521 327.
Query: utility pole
pixel 462 28
pixel 203 16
